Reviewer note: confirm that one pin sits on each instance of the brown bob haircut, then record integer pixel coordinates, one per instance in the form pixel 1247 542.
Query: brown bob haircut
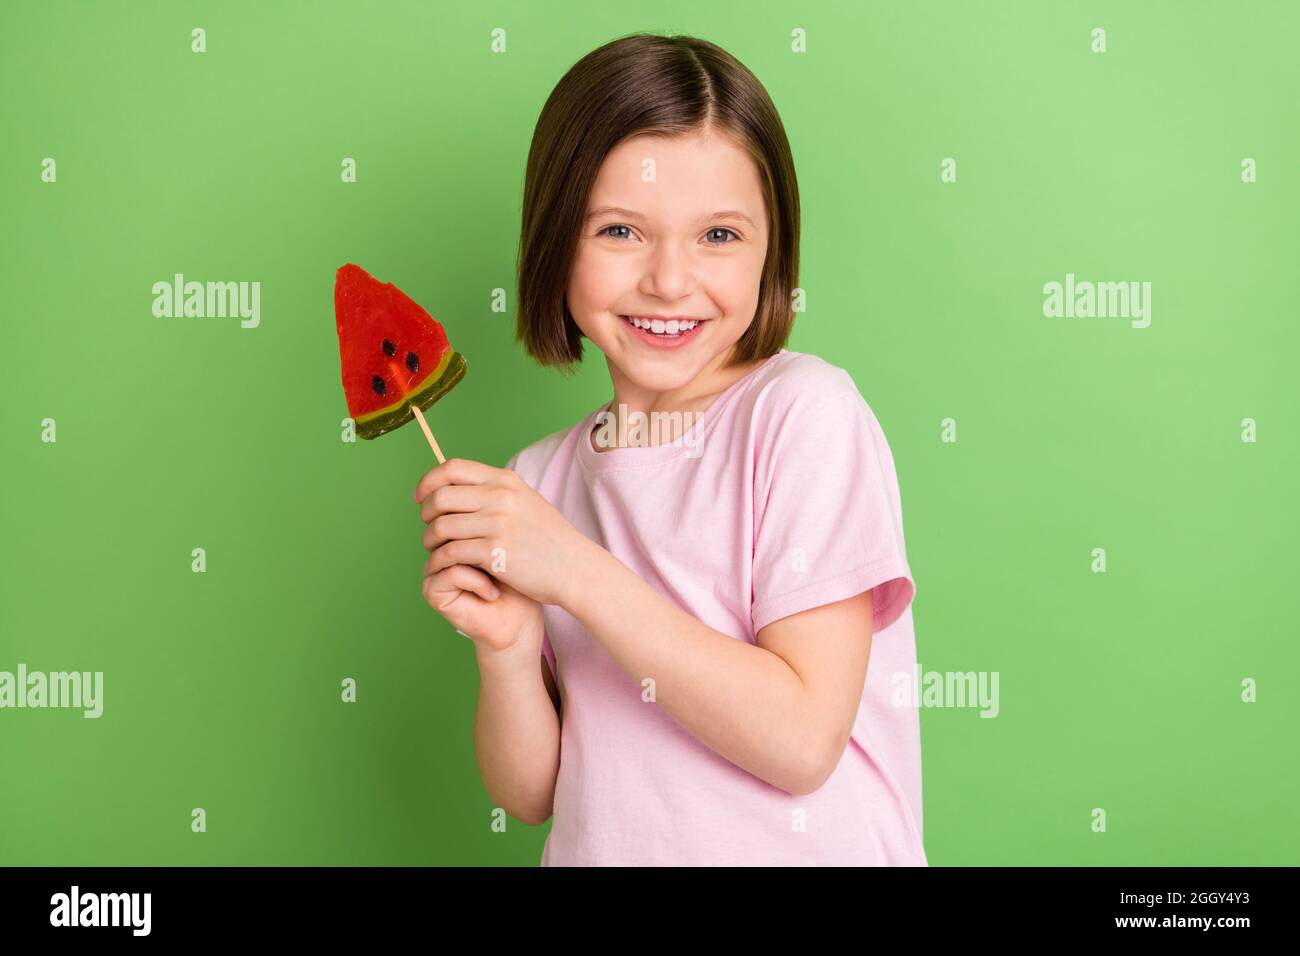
pixel 646 84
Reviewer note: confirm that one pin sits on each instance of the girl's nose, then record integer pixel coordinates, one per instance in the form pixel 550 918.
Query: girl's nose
pixel 668 273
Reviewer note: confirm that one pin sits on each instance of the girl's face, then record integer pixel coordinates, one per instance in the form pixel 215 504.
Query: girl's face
pixel 676 227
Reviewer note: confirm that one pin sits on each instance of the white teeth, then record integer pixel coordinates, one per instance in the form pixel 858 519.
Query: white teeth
pixel 660 327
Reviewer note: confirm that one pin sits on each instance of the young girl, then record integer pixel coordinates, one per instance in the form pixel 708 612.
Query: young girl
pixel 702 567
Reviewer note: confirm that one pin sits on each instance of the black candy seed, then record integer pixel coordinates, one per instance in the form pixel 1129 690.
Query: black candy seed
pixel 378 385
pixel 412 361
pixel 389 348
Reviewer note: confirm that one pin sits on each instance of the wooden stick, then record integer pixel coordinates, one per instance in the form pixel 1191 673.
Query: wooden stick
pixel 433 443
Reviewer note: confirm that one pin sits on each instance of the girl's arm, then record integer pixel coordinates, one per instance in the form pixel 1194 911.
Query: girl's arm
pixel 517 732
pixel 782 710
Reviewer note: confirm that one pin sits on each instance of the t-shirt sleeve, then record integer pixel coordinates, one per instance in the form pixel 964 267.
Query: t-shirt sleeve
pixel 828 517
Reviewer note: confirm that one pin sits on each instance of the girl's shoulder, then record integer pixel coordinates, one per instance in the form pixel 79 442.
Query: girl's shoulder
pixel 802 381
pixel 803 404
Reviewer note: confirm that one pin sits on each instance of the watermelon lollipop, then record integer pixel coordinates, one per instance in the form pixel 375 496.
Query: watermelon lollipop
pixel 396 357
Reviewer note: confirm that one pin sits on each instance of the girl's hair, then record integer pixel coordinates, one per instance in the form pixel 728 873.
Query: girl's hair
pixel 658 85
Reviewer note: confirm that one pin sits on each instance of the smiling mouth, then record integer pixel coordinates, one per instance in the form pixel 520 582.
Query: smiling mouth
pixel 672 329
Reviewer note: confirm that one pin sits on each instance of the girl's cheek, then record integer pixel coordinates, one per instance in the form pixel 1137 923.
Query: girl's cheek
pixel 735 284
pixel 610 280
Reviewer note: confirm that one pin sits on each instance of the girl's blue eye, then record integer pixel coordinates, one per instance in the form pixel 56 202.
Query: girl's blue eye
pixel 606 232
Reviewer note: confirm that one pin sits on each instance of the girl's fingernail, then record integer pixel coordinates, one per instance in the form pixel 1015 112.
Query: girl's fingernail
pixel 495 593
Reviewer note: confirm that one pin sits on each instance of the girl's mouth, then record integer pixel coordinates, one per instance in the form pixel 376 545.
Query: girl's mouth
pixel 670 335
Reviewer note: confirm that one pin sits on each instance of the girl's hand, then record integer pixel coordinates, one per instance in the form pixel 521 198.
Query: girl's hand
pixel 497 618
pixel 490 519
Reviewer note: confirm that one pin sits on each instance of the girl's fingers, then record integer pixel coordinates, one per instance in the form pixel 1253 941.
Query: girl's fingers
pixel 471 551
pixel 453 471
pixel 453 526
pixel 453 498
pixel 461 577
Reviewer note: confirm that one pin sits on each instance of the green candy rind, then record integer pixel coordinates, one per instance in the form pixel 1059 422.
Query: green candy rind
pixel 432 390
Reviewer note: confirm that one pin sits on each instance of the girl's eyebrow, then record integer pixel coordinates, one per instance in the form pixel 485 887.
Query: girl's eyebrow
pixel 632 214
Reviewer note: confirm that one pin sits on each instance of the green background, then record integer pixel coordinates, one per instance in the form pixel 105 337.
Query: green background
pixel 1118 690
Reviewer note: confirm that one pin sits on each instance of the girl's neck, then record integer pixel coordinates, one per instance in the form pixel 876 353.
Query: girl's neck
pixel 690 401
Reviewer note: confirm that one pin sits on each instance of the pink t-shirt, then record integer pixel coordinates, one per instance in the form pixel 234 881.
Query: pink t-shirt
pixel 782 497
